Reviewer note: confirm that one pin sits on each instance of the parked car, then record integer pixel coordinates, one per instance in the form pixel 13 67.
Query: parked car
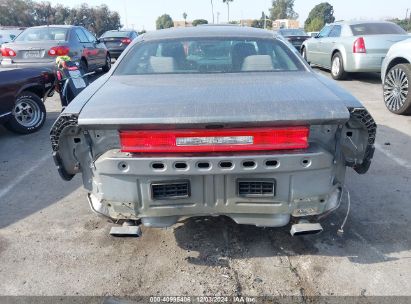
pixel 22 96
pixel 357 46
pixel 295 36
pixel 213 120
pixel 39 46
pixel 117 41
pixel 396 78
pixel 9 34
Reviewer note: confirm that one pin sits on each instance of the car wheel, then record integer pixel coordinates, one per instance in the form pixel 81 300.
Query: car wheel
pixel 396 89
pixel 304 54
pixel 83 66
pixel 107 66
pixel 337 67
pixel 28 115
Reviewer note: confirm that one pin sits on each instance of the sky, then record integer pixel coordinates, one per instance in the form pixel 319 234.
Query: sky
pixel 142 14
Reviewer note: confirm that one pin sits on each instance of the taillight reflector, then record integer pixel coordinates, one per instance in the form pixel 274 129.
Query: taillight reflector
pixel 126 40
pixel 359 46
pixel 225 140
pixel 59 51
pixel 7 52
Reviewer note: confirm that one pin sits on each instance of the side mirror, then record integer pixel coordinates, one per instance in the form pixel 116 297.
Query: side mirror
pixel 98 41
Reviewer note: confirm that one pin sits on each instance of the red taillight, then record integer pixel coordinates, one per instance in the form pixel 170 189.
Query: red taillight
pixel 126 40
pixel 359 46
pixel 7 52
pixel 258 139
pixel 59 51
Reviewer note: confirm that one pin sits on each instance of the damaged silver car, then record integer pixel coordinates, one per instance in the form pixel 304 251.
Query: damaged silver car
pixel 209 121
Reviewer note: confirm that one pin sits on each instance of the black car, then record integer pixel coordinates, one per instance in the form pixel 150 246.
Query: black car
pixel 117 41
pixel 22 95
pixel 295 36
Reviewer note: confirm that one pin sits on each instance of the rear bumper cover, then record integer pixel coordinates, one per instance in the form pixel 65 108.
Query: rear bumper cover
pixel 305 185
pixel 364 62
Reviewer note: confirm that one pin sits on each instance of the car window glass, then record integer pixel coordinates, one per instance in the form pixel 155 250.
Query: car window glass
pixel 206 55
pixel 324 32
pixel 377 29
pixel 292 32
pixel 81 35
pixel 90 36
pixel 336 31
pixel 43 34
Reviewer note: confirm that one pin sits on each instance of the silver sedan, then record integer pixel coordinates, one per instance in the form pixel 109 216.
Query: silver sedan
pixel 345 47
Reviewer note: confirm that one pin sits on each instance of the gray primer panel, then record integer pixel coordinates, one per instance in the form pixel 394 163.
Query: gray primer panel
pixel 271 98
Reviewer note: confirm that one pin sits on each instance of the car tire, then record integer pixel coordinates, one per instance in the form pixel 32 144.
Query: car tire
pixel 337 67
pixel 28 115
pixel 83 66
pixel 397 97
pixel 107 66
pixel 304 54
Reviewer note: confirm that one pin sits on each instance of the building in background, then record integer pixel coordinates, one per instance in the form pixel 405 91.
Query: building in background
pixel 183 23
pixel 285 23
pixel 246 22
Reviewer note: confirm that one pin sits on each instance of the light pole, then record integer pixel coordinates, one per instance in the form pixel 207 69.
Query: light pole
pixel 212 9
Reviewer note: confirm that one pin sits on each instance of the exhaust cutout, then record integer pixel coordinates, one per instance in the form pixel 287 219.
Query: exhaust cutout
pixel 306 228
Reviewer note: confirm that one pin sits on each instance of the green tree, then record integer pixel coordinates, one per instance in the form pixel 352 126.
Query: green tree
pixel 164 22
pixel 315 25
pixel 283 9
pixel 17 13
pixel 199 21
pixel 104 20
pixel 320 15
pixel 26 13
pixel 228 8
pixel 259 23
pixel 404 23
pixel 61 14
pixel 44 13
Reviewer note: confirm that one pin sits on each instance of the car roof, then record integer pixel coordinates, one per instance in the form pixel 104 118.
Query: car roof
pixel 209 31
pixel 358 22
pixel 121 31
pixel 55 25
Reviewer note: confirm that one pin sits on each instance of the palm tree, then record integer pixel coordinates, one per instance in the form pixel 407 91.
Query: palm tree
pixel 228 8
pixel 185 18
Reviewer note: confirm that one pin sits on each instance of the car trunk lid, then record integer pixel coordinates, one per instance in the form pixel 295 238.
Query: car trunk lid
pixel 114 42
pixel 380 44
pixel 235 100
pixel 27 52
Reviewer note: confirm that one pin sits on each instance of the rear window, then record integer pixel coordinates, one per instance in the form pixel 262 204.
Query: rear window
pixel 43 34
pixel 115 34
pixel 292 32
pixel 376 29
pixel 202 56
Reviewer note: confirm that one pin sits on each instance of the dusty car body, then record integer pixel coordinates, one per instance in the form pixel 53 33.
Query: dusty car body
pixel 40 45
pixel 161 146
pixel 355 46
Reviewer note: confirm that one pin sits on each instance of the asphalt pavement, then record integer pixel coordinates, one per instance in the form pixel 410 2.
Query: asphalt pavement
pixel 52 244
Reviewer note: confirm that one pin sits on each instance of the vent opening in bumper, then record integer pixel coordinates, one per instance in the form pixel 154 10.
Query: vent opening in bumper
pixel 256 188
pixel 170 190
